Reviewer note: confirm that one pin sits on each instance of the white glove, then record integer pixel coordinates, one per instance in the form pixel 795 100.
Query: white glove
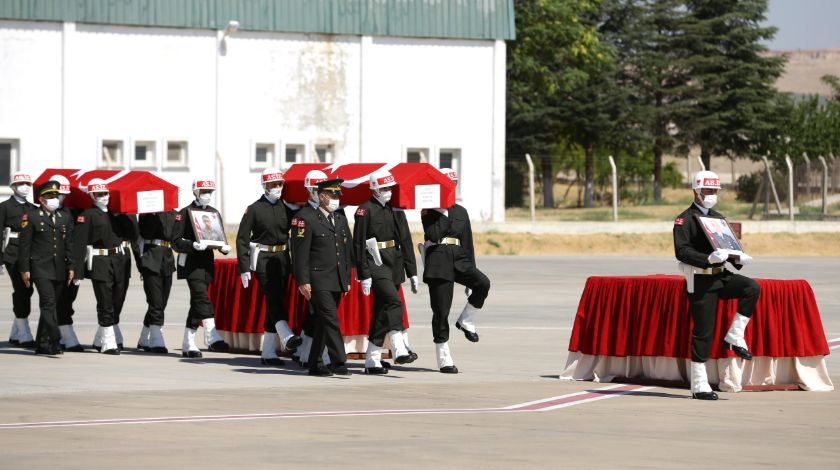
pixel 225 249
pixel 2 269
pixel 467 291
pixel 199 246
pixel 77 282
pixel 366 283
pixel 718 256
pixel 246 278
pixel 414 284
pixel 743 258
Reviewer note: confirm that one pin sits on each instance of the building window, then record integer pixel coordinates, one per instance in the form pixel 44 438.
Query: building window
pixel 144 153
pixel 263 156
pixel 451 158
pixel 324 153
pixel 8 160
pixel 176 153
pixel 111 154
pixel 417 155
pixel 294 154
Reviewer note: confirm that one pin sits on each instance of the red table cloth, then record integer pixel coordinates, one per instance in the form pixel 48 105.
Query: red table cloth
pixel 241 310
pixel 648 316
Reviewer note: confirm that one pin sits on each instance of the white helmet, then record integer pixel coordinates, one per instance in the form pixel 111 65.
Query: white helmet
pixel 21 178
pixel 97 185
pixel 381 180
pixel 203 183
pixel 705 179
pixel 64 183
pixel 450 173
pixel 310 182
pixel 270 175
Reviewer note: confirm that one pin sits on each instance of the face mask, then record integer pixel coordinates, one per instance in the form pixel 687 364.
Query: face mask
pixel 61 199
pixel 274 194
pixel 23 190
pixel 102 202
pixel 332 206
pixel 384 196
pixel 709 201
pixel 52 204
pixel 204 199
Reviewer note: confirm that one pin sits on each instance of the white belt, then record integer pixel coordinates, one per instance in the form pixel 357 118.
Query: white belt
pixel 157 242
pixel 449 241
pixel 271 248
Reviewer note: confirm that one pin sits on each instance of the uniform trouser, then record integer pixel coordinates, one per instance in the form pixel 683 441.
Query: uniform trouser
pixel 110 292
pixel 157 290
pixel 325 329
pixel 703 306
pixel 273 283
pixel 440 293
pixel 65 304
pixel 387 312
pixel 125 273
pixel 200 306
pixel 21 295
pixel 48 293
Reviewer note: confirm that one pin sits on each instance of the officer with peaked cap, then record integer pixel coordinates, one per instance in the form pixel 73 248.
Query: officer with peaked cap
pixel 195 264
pixel 450 258
pixel 46 260
pixel 384 256
pixel 322 255
pixel 262 247
pixel 69 340
pixel 711 281
pixel 100 233
pixel 13 212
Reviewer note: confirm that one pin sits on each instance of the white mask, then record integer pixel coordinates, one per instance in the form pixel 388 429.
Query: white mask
pixel 274 194
pixel 709 201
pixel 383 196
pixel 204 199
pixel 102 202
pixel 332 206
pixel 52 204
pixel 23 190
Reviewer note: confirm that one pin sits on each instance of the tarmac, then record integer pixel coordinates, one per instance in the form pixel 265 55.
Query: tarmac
pixel 506 409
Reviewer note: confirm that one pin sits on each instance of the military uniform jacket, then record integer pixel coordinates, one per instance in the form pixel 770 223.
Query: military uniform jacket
pixel 11 212
pixel 690 243
pixel 198 264
pixel 321 253
pixel 442 260
pixel 152 258
pixel 373 220
pixel 267 224
pixel 46 245
pixel 101 230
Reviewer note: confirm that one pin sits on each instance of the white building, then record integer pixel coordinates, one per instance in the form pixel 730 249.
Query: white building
pixel 175 87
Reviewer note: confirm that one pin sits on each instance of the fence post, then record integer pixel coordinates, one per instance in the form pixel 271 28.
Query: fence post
pixel 824 186
pixel 531 186
pixel 615 189
pixel 790 185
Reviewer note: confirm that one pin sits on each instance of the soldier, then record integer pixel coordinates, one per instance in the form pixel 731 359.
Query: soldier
pixel 100 234
pixel 310 182
pixel 709 281
pixel 322 253
pixel 46 260
pixel 384 257
pixel 156 263
pixel 64 308
pixel 195 264
pixel 261 246
pixel 449 257
pixel 13 212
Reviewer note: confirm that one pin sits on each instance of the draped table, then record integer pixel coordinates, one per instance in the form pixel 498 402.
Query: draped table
pixel 639 327
pixel 240 313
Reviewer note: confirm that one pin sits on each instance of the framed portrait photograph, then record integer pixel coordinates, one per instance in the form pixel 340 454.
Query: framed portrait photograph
pixel 208 227
pixel 719 233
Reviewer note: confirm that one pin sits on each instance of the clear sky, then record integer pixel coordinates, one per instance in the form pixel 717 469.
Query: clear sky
pixel 804 24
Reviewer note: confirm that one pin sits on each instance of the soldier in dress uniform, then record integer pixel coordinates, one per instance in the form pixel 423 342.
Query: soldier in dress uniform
pixel 69 340
pixel 153 250
pixel 46 260
pixel 100 233
pixel 322 255
pixel 262 247
pixel 449 257
pixel 384 257
pixel 195 264
pixel 12 211
pixel 709 280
